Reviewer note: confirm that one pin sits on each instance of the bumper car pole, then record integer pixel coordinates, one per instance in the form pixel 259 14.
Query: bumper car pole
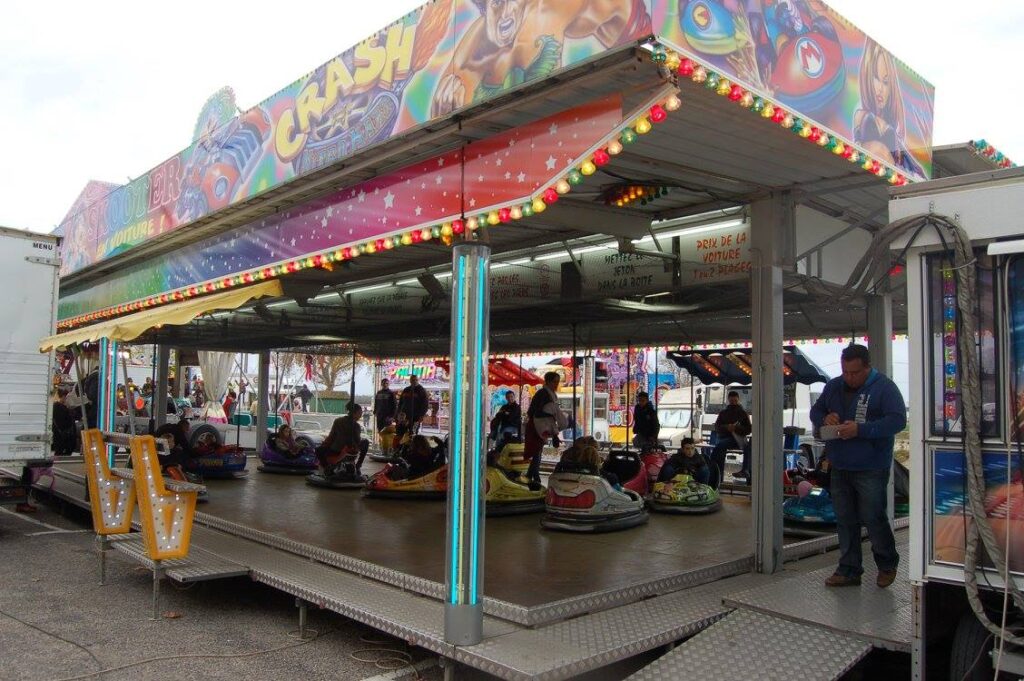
pixel 463 614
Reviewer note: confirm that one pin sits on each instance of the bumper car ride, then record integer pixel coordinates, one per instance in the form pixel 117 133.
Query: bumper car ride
pixel 683 494
pixel 392 482
pixel 342 476
pixel 577 502
pixel 815 509
pixel 507 496
pixel 273 461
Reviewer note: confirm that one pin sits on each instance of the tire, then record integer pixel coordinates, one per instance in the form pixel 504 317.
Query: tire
pixel 203 430
pixel 968 659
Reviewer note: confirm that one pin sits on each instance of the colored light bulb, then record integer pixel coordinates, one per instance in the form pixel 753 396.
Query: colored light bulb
pixel 472 224
pixel 643 126
pixel 527 209
pixel 614 148
pixel 601 157
pixel 587 168
pixel 686 67
pixel 458 227
pixel 516 213
pixel 539 206
pixel 658 113
pixel 504 215
pixel 673 61
pixel 628 136
pixel 550 196
pixel 700 74
pixel 673 103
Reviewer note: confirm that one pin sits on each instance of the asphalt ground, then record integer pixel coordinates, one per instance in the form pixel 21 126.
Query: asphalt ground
pixel 57 622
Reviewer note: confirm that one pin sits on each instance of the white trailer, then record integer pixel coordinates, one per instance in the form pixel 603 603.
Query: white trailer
pixel 28 265
pixel 964 384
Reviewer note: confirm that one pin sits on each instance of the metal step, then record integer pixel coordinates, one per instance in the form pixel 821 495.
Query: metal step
pixel 200 566
pixel 750 645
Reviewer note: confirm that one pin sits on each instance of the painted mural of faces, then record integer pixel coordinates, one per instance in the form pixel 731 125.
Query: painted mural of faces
pixel 503 19
pixel 879 89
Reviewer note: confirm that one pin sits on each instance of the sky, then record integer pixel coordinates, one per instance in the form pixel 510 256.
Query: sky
pixel 108 90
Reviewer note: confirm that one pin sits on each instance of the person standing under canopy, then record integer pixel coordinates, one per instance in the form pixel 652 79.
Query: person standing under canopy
pixel 413 403
pixel 544 421
pixel 645 423
pixel 385 405
pixel 858 415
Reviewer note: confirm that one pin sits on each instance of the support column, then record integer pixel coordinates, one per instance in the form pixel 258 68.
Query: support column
pixel 467 432
pixel 106 411
pixel 772 221
pixel 160 387
pixel 880 344
pixel 588 395
pixel 262 395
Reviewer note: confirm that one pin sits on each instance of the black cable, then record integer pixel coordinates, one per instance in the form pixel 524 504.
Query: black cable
pixel 88 652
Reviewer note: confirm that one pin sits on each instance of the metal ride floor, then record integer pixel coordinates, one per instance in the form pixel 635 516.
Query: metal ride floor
pixel 524 564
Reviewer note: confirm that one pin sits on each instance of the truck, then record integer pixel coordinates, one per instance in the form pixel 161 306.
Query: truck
pixel 30 312
pixel 967 410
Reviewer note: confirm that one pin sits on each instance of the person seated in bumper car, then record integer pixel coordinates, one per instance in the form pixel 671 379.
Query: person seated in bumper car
pixel 344 442
pixel 171 460
pixel 420 457
pixel 387 437
pixel 820 476
pixel 686 462
pixel 283 442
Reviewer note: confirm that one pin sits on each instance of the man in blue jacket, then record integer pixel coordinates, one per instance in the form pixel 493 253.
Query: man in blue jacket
pixel 868 410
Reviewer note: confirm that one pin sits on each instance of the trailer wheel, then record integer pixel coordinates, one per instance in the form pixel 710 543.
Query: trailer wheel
pixel 206 433
pixel 968 659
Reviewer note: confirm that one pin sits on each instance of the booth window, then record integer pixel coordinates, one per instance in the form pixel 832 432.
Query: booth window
pixel 944 327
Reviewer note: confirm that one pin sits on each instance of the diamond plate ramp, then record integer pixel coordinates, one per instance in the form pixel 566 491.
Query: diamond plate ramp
pixel 200 566
pixel 770 648
pixel 881 617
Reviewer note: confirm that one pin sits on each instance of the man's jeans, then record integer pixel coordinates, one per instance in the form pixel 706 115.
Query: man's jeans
pixel 860 500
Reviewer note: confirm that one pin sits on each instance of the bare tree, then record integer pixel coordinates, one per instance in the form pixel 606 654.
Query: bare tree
pixel 328 370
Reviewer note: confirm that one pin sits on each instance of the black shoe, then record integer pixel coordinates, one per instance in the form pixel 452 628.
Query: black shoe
pixel 534 485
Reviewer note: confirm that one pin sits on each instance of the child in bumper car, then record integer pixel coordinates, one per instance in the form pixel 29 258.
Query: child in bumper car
pixel 284 442
pixel 686 462
pixel 583 457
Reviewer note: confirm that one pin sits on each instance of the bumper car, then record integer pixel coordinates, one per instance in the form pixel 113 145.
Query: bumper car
pixel 398 480
pixel 211 457
pixel 394 482
pixel 273 461
pixel 630 470
pixel 684 495
pixel 586 502
pixel 813 509
pixel 512 459
pixel 342 475
pixel 506 495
